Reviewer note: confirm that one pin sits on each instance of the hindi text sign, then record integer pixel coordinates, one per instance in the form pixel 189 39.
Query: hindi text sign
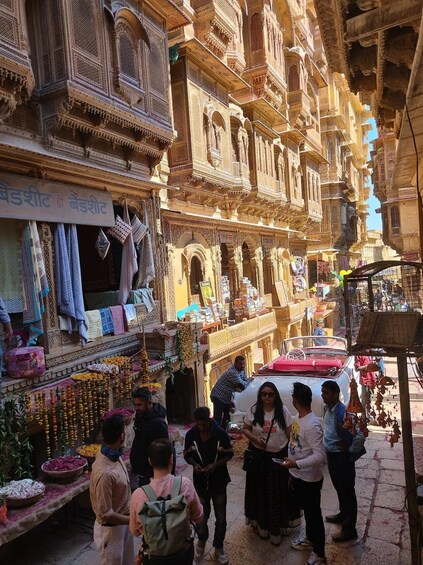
pixel 25 198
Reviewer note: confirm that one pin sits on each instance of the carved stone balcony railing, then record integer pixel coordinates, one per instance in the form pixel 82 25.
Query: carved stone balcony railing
pixel 233 338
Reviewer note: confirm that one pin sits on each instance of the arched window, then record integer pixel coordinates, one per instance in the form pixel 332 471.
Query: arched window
pixel 293 79
pixel 256 33
pixel 247 268
pixel 395 219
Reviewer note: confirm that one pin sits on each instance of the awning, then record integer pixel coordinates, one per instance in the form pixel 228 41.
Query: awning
pixel 25 198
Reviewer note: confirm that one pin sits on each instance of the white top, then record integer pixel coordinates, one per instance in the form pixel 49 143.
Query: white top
pixel 306 447
pixel 277 438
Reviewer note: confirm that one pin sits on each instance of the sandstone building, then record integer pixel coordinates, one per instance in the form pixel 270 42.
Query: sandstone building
pixel 216 123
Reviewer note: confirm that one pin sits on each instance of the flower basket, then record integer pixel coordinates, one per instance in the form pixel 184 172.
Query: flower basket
pixel 89 452
pixel 25 492
pixel 64 469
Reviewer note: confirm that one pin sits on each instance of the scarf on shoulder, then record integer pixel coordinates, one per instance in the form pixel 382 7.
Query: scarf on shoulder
pixel 112 454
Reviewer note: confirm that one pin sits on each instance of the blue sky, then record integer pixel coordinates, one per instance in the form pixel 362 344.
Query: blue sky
pixel 374 221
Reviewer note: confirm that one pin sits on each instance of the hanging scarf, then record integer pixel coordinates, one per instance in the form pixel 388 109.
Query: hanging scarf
pixel 112 454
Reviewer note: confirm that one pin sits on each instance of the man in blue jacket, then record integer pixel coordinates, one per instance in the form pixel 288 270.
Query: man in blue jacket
pixel 341 463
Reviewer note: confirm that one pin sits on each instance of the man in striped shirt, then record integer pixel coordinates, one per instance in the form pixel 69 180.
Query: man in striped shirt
pixel 232 380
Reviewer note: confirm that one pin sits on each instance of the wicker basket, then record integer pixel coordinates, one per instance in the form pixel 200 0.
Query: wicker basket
pixel 22 502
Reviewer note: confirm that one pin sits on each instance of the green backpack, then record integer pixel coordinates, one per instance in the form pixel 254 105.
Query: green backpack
pixel 165 523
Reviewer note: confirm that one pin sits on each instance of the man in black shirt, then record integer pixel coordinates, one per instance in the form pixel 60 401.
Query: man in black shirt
pixel 150 424
pixel 208 449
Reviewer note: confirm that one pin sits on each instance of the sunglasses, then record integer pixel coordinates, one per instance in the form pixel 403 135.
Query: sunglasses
pixel 268 394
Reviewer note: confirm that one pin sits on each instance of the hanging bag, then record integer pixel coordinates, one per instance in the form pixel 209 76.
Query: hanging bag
pixel 254 458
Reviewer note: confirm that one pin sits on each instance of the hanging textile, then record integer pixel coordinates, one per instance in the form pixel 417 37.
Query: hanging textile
pixel 40 276
pixel 129 262
pixel 94 324
pixel 118 319
pixel 11 266
pixel 106 321
pixel 143 296
pixel 33 307
pixel 70 299
pixel 146 271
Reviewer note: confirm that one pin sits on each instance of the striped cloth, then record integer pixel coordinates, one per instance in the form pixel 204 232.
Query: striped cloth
pixel 118 320
pixel 106 321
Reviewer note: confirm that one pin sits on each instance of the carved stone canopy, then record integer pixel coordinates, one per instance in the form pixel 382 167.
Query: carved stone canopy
pixel 373 43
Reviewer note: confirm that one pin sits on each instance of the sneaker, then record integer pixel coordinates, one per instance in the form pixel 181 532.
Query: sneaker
pixel 199 550
pixel 314 559
pixel 301 544
pixel 217 555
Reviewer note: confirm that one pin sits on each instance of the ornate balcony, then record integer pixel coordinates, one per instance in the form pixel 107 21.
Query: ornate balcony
pixel 233 338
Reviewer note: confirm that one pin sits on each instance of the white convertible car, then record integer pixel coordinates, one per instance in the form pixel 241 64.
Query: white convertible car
pixel 306 360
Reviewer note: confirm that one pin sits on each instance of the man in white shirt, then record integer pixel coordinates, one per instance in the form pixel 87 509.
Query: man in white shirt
pixel 305 464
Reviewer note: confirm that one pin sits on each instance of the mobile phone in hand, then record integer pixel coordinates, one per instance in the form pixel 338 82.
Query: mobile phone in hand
pixel 278 461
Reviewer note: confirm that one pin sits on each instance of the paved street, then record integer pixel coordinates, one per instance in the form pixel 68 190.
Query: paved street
pixel 382 524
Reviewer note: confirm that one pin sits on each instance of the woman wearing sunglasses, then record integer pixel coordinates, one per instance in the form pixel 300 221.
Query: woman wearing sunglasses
pixel 267 425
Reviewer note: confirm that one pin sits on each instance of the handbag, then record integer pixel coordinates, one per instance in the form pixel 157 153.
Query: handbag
pixel 254 458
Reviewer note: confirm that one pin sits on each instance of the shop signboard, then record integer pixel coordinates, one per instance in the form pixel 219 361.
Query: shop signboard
pixel 26 198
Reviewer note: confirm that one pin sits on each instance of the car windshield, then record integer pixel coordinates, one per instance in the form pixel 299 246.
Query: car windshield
pixel 323 343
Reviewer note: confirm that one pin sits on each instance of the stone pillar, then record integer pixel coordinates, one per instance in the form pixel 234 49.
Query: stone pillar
pixel 249 365
pixel 216 257
pixel 267 349
pixel 50 317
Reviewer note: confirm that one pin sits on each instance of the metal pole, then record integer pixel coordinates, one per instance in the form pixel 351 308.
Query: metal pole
pixel 410 474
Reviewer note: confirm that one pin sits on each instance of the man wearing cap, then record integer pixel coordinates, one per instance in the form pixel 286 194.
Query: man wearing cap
pixel 150 424
pixel 319 331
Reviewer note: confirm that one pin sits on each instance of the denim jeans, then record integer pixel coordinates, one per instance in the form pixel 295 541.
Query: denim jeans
pixel 219 505
pixel 308 495
pixel 221 412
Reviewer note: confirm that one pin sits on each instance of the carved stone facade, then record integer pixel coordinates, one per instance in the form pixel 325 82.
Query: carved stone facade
pixel 248 157
pixel 85 101
pixel 343 177
pixel 375 45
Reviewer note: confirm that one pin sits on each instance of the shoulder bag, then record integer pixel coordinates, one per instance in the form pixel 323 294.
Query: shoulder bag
pixel 254 458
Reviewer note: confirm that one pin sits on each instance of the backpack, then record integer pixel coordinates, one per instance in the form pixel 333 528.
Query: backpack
pixel 355 442
pixel 165 523
pixel 357 448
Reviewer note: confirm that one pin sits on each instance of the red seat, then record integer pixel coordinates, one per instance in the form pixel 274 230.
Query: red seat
pixel 293 365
